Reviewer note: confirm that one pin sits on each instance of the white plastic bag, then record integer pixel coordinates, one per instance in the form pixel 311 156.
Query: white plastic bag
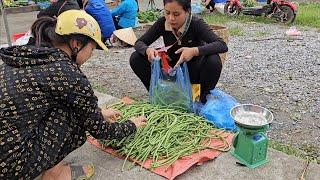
pixel 293 31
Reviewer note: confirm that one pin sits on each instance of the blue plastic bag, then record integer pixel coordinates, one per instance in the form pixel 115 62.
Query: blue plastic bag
pixel 196 8
pixel 220 1
pixel 217 109
pixel 170 89
pixel 43 5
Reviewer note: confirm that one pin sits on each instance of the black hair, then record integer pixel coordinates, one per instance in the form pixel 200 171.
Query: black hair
pixel 186 4
pixel 43 31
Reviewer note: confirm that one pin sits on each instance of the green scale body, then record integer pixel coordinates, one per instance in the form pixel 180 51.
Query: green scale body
pixel 251 146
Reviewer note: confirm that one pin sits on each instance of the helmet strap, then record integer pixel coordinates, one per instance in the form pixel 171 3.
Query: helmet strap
pixel 75 51
pixel 74 54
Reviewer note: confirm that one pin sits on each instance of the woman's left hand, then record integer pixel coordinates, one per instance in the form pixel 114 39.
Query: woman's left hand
pixel 187 54
pixel 111 115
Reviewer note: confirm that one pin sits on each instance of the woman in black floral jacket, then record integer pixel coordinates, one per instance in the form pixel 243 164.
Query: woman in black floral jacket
pixel 47 104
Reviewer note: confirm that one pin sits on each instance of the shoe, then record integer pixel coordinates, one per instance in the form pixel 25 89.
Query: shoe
pixel 117 44
pixel 77 172
pixel 108 43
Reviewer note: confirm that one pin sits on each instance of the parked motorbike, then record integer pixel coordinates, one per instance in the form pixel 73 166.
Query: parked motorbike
pixel 280 10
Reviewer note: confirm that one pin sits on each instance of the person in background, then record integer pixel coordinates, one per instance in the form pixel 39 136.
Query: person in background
pixel 138 5
pixel 187 39
pixel 57 7
pixel 101 13
pixel 125 14
pixel 47 103
pixel 80 3
pixel 210 4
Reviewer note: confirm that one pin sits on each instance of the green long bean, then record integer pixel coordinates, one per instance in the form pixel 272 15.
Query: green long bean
pixel 170 134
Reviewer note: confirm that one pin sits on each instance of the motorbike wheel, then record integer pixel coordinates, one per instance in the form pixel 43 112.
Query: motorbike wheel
pixel 287 15
pixel 231 10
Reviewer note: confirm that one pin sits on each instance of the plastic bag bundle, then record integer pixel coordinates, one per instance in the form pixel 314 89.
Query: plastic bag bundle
pixel 171 88
pixel 217 109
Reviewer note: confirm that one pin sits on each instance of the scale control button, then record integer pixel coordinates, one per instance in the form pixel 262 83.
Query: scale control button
pixel 257 137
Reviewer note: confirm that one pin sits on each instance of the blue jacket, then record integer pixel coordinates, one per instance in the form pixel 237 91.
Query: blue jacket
pixel 101 13
pixel 127 11
pixel 219 1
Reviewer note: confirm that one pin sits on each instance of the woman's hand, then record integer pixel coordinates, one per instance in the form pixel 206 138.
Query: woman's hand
pixel 111 115
pixel 186 55
pixel 151 53
pixel 139 121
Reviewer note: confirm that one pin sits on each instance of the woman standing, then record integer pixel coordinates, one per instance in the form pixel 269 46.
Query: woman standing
pixel 47 103
pixel 187 39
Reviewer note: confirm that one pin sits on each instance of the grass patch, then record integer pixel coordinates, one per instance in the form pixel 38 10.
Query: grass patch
pixel 308 15
pixel 98 87
pixel 305 151
pixel 285 148
pixel 216 18
pixel 312 152
pixel 236 31
pixel 257 19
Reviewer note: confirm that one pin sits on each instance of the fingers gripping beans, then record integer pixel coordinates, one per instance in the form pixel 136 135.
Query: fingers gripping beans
pixel 169 135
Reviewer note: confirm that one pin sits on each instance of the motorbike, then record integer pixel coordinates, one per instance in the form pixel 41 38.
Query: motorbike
pixel 280 10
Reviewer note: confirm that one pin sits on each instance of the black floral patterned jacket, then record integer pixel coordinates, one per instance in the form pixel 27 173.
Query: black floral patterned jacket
pixel 46 105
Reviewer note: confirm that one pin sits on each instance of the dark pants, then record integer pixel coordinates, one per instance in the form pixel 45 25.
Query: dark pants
pixel 203 70
pixel 211 4
pixel 116 23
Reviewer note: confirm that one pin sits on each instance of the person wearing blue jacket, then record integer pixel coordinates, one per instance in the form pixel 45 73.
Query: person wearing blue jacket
pixel 101 13
pixel 125 14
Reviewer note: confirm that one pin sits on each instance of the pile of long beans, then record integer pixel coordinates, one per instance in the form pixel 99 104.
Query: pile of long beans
pixel 168 135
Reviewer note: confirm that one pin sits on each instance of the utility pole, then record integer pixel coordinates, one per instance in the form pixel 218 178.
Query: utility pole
pixel 5 20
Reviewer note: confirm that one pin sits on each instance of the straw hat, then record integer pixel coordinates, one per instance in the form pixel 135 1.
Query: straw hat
pixel 126 35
